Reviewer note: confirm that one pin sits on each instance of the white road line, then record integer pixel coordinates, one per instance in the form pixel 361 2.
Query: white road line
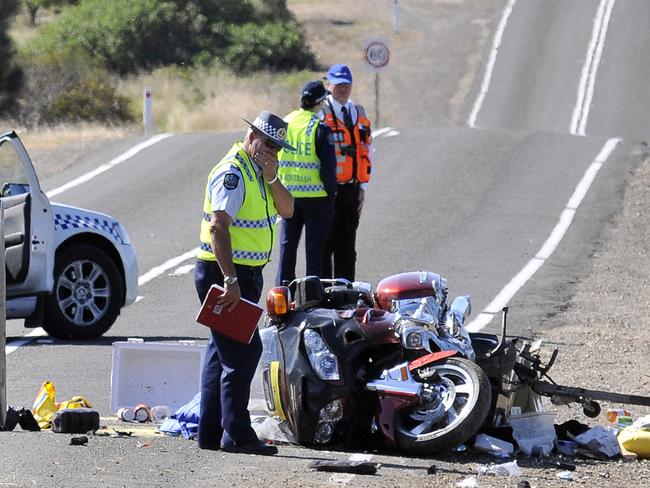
pixel 158 270
pixel 496 43
pixel 105 167
pixel 383 130
pixel 33 334
pixel 551 243
pixel 590 68
pixel 182 270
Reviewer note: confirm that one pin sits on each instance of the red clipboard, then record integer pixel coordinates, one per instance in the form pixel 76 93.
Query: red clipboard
pixel 238 324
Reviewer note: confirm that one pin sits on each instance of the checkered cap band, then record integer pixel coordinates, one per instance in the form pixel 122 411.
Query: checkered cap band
pixel 267 128
pixel 68 221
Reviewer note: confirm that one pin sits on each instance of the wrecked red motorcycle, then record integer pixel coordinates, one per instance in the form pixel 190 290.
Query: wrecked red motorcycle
pixel 347 366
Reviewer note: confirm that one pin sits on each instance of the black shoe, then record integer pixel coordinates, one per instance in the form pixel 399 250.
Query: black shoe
pixel 27 421
pixel 253 447
pixel 10 421
pixel 209 447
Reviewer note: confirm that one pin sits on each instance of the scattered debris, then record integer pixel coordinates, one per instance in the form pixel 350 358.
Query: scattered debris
pixel 505 469
pixel 493 446
pixel 470 482
pixel 565 475
pixel 600 440
pixel 81 440
pixel 355 467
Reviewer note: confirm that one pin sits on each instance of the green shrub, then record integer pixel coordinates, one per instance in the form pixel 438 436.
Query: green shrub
pixel 11 75
pixel 274 45
pixel 69 89
pixel 125 36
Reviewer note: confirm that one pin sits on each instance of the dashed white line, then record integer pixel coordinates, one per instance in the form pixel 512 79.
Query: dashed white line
pixel 551 243
pixel 105 167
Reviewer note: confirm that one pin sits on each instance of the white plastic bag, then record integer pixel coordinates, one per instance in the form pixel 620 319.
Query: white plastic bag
pixel 505 469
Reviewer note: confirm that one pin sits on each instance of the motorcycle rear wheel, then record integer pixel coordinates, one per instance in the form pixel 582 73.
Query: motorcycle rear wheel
pixel 455 415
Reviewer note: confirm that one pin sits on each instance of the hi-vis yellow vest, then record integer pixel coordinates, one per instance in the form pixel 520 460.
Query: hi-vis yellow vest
pixel 252 230
pixel 299 171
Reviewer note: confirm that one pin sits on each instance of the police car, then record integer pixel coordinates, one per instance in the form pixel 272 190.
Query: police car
pixel 67 269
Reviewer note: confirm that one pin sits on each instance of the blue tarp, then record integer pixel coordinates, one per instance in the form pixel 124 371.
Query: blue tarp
pixel 185 421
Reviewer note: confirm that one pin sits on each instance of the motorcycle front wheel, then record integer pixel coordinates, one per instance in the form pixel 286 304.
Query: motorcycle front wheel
pixel 455 403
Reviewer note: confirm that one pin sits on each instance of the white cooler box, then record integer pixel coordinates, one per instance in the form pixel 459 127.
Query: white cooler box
pixel 155 373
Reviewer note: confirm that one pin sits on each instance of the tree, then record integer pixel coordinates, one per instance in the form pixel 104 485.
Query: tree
pixel 11 76
pixel 33 6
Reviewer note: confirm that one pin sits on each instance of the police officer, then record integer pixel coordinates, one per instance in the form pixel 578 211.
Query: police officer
pixel 243 197
pixel 352 137
pixel 309 173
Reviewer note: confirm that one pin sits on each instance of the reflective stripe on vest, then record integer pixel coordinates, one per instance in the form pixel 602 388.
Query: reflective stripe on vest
pixel 252 230
pixel 299 171
pixel 345 162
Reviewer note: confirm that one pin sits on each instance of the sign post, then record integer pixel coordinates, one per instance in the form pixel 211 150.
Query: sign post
pixel 3 325
pixel 376 55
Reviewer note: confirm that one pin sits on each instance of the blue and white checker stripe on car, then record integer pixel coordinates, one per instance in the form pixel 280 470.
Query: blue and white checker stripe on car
pixel 68 221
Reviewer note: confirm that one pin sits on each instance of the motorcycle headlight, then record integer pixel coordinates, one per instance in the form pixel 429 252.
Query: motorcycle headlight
pixel 322 360
pixel 331 412
pixel 414 340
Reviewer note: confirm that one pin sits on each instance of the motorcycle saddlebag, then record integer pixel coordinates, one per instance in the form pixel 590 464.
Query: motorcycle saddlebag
pixel 75 421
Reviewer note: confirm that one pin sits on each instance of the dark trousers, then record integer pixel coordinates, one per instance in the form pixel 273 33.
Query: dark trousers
pixel 315 215
pixel 229 366
pixel 342 238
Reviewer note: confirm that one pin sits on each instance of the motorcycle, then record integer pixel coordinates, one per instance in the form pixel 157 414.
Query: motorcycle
pixel 345 365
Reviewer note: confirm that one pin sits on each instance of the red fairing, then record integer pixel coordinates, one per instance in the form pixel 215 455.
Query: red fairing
pixel 414 284
pixel 430 358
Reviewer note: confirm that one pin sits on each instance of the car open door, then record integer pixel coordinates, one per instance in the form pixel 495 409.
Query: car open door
pixel 28 225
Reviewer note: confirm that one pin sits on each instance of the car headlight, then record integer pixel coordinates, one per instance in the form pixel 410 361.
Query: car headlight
pixel 322 360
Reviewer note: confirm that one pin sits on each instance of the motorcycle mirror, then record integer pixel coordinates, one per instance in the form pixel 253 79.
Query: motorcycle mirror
pixel 277 302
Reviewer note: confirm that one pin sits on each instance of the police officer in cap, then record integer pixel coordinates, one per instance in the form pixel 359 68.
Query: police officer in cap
pixel 243 198
pixel 353 139
pixel 309 173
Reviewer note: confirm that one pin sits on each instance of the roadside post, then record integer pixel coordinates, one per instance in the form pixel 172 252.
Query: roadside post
pixel 396 16
pixel 376 56
pixel 147 114
pixel 3 324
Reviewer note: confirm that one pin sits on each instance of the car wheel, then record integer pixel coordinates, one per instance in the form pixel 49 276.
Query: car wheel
pixel 87 294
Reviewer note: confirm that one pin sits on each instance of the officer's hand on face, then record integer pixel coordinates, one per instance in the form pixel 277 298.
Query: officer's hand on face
pixel 231 296
pixel 265 152
pixel 362 196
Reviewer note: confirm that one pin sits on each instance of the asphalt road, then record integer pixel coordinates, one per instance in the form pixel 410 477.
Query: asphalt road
pixel 473 205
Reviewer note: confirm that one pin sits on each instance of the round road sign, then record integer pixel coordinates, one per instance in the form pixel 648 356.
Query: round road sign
pixel 376 54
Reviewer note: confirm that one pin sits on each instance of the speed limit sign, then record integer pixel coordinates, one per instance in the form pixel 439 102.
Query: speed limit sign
pixel 376 54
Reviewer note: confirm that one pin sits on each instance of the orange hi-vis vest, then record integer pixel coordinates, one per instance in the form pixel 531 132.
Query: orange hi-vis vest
pixel 353 163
